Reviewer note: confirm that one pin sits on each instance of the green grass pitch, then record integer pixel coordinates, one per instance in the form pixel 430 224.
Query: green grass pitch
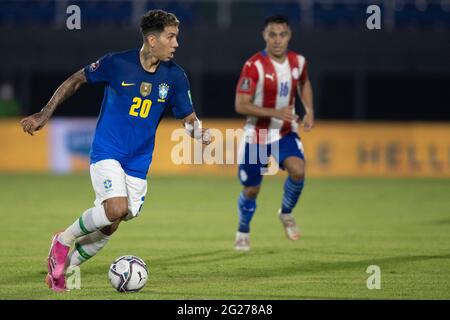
pixel 187 227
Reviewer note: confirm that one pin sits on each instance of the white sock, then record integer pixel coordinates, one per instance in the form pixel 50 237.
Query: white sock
pixel 86 247
pixel 91 220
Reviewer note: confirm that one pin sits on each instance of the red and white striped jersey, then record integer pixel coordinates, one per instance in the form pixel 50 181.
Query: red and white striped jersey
pixel 272 85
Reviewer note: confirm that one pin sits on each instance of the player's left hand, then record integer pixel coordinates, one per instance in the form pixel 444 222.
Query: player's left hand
pixel 308 122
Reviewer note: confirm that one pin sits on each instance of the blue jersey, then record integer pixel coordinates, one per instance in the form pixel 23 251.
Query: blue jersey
pixel 133 105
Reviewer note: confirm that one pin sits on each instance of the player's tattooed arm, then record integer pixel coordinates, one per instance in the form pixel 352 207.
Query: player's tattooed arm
pixel 306 95
pixel 193 127
pixel 38 120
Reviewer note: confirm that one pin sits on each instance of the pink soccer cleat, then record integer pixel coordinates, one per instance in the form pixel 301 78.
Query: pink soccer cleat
pixel 56 265
pixel 55 284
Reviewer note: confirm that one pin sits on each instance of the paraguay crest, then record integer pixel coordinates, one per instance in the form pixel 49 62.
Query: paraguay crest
pixel 146 88
pixel 163 91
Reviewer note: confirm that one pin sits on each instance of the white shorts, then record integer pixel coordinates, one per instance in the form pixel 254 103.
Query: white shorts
pixel 109 181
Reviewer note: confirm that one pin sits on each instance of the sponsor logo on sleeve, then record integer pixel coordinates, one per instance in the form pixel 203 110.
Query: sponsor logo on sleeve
pixel 245 84
pixel 94 66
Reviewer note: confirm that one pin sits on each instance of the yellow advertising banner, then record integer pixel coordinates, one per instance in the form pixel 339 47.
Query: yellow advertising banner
pixel 20 151
pixel 378 149
pixel 331 148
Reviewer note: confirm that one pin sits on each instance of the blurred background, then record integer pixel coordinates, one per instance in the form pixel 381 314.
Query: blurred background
pixel 382 97
pixel 380 151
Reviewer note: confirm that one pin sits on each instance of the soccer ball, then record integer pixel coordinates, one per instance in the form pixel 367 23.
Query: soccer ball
pixel 128 274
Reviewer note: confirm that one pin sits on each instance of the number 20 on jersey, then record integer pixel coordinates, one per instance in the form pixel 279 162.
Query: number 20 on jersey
pixel 140 108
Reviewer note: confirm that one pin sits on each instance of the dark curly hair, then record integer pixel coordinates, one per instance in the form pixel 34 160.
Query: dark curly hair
pixel 154 21
pixel 276 19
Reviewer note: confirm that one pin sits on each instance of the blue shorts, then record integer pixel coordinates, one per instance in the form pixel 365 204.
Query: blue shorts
pixel 256 157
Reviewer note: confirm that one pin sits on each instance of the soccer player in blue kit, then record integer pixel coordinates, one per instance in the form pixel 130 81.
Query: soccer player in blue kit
pixel 140 85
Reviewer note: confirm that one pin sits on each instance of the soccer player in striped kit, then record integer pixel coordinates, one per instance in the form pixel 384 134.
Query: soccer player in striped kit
pixel 265 93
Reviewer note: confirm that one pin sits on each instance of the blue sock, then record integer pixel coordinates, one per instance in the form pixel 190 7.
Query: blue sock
pixel 247 208
pixel 292 191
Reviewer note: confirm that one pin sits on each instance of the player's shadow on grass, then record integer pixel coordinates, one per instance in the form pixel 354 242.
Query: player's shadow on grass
pixel 301 266
pixel 198 258
pixel 270 270
pixel 441 222
pixel 187 259
pixel 304 266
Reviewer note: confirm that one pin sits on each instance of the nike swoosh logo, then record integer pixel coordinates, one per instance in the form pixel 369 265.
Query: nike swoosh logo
pixel 127 84
pixel 269 76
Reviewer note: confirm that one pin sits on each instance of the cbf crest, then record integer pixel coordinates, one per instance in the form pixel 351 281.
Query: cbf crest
pixel 163 92
pixel 146 88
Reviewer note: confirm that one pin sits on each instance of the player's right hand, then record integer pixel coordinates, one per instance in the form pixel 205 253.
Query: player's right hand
pixel 34 122
pixel 286 114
